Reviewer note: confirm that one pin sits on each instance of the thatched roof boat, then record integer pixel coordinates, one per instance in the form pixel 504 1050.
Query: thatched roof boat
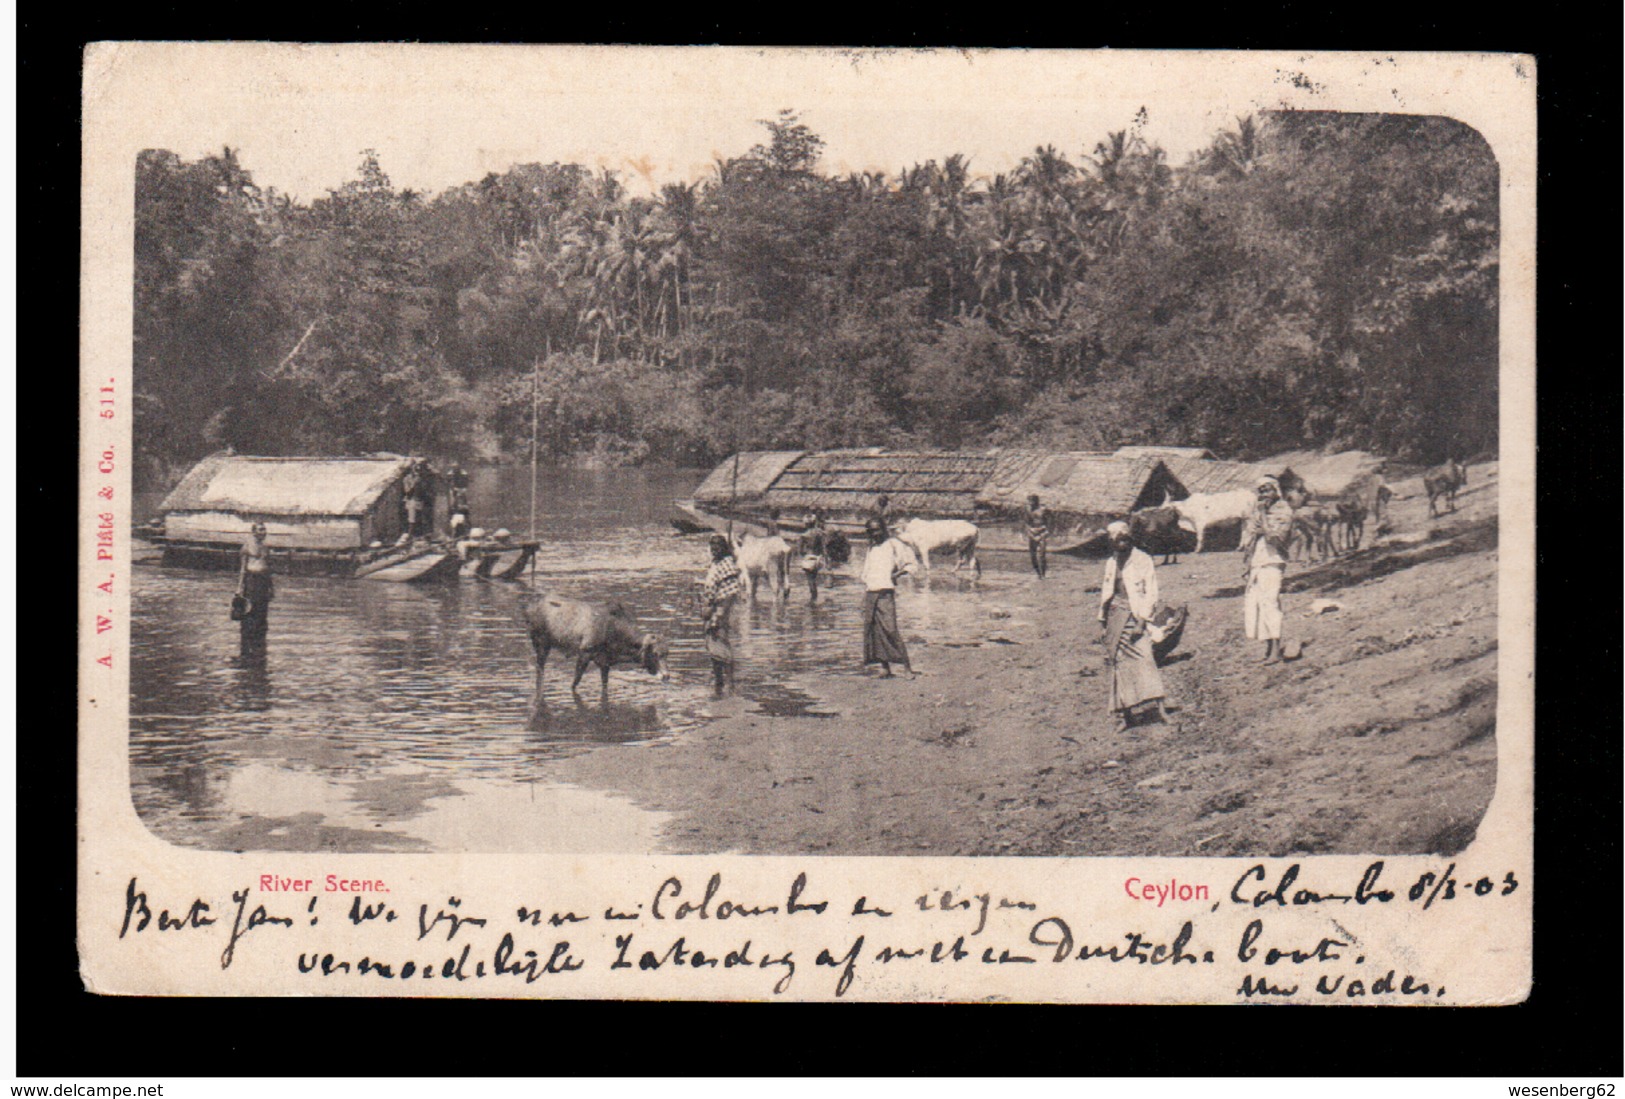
pixel 1083 491
pixel 940 485
pixel 323 516
pixel 332 503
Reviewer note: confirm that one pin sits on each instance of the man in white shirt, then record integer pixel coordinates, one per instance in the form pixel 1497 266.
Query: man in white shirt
pixel 887 559
pixel 1263 555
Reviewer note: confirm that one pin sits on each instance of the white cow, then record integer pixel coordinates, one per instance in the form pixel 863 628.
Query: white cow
pixel 767 558
pixel 1204 510
pixel 954 535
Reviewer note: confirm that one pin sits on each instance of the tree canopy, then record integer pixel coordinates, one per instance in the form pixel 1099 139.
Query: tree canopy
pixel 1307 279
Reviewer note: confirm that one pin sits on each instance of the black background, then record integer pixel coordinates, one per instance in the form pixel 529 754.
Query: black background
pixel 1571 1024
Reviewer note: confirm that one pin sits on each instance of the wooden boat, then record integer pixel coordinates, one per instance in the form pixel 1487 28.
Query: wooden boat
pixel 509 563
pixel 495 560
pixel 323 517
pixel 690 519
pixel 412 567
pixel 1082 490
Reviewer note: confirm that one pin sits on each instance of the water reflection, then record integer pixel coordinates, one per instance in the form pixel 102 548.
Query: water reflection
pixel 597 722
pixel 251 686
pixel 377 708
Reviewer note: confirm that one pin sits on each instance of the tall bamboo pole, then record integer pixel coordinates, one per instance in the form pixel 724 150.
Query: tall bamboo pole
pixel 535 421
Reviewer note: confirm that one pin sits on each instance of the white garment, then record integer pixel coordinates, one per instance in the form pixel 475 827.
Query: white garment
pixel 1266 533
pixel 1139 580
pixel 1265 555
pixel 883 562
pixel 1261 609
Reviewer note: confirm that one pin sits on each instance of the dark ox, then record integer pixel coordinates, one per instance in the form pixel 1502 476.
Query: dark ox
pixel 1351 515
pixel 604 634
pixel 1157 530
pixel 1442 483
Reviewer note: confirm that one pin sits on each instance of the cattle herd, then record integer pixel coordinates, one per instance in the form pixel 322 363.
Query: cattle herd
pixel 1322 527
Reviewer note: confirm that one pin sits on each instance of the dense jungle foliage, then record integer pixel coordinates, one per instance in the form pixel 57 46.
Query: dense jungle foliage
pixel 1306 280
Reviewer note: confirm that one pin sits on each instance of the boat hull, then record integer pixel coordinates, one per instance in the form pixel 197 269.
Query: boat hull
pixel 419 564
pixel 417 568
pixel 510 563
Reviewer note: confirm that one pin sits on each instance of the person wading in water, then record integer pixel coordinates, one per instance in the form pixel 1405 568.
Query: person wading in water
pixel 814 553
pixel 882 640
pixel 718 592
pixel 254 585
pixel 1128 597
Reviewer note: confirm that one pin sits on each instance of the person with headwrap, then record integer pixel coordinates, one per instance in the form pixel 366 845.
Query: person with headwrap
pixel 887 559
pixel 1264 543
pixel 1128 598
pixel 814 552
pixel 719 591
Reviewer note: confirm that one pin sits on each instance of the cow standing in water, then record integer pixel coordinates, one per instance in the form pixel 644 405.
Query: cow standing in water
pixel 955 536
pixel 605 634
pixel 764 559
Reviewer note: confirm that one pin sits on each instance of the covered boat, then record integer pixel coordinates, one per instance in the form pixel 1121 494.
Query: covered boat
pixel 323 516
pixel 1083 491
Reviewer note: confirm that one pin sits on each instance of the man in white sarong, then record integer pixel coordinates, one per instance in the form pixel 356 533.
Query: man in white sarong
pixel 1263 554
pixel 887 560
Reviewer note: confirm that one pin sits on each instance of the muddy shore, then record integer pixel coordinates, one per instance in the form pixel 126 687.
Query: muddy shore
pixel 1380 739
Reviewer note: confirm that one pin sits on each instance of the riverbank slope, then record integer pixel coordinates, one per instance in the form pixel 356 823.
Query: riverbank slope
pixel 1381 738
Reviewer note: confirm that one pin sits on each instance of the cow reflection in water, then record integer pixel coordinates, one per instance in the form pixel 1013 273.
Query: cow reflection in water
pixel 604 634
pixel 604 723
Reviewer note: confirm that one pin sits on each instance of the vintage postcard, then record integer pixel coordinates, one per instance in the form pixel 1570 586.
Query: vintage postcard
pixel 744 524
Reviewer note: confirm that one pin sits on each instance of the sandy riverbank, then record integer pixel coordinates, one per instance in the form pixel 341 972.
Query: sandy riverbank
pixel 1382 738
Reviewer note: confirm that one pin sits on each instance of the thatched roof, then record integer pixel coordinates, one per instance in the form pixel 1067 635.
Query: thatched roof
pixel 756 472
pixel 1199 476
pixel 943 484
pixel 1328 474
pixel 937 484
pixel 1079 482
pixel 286 486
pixel 1163 452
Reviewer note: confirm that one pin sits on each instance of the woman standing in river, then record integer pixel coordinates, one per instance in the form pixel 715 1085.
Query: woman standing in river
pixel 718 592
pixel 255 587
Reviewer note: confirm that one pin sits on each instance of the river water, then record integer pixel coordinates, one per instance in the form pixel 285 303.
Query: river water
pixel 393 717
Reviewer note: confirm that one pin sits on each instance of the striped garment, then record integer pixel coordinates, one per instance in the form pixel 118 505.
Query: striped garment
pixel 722 581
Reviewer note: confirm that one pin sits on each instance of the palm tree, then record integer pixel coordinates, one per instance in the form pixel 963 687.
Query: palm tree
pixel 679 210
pixel 1234 154
pixel 1129 175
